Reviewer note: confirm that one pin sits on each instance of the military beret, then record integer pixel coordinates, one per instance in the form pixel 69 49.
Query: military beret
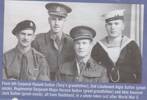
pixel 26 24
pixel 58 9
pixel 114 15
pixel 82 32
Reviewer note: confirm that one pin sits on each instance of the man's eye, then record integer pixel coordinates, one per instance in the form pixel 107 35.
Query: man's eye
pixel 22 33
pixel 77 43
pixel 116 23
pixel 53 19
pixel 84 42
pixel 29 34
pixel 109 24
pixel 60 18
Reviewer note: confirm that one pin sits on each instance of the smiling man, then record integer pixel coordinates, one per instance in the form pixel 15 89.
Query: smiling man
pixel 23 62
pixel 55 44
pixel 83 68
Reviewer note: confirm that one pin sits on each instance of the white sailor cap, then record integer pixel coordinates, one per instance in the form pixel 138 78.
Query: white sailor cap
pixel 114 15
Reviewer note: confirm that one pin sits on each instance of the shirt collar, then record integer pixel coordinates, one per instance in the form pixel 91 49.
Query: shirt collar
pixel 20 53
pixel 125 41
pixel 89 63
pixel 85 60
pixel 53 36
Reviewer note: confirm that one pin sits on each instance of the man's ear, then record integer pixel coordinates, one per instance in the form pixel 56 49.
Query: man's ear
pixel 16 35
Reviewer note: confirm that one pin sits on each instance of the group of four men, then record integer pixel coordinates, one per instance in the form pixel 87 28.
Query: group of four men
pixel 54 55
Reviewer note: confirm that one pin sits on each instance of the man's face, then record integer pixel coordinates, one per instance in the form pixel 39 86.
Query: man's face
pixel 56 23
pixel 25 37
pixel 82 47
pixel 115 28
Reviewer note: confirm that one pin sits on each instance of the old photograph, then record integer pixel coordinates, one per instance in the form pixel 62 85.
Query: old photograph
pixel 73 41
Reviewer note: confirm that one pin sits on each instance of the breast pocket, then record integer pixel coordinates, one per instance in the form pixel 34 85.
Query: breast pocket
pixel 92 76
pixel 65 77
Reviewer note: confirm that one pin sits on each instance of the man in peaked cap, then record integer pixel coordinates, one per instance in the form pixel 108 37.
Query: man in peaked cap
pixel 55 44
pixel 58 9
pixel 118 53
pixel 83 68
pixel 23 62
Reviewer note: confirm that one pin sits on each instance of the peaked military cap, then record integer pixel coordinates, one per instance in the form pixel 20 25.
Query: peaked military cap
pixel 82 32
pixel 58 9
pixel 114 15
pixel 26 24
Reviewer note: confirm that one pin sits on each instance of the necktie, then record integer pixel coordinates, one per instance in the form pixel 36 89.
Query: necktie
pixel 23 69
pixel 57 40
pixel 82 66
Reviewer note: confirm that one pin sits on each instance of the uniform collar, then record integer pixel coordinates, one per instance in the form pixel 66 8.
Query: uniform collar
pixel 20 53
pixel 88 61
pixel 84 60
pixel 53 36
pixel 88 64
pixel 125 41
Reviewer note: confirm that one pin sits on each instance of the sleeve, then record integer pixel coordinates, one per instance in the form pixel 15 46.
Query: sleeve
pixel 136 62
pixel 4 71
pixel 44 73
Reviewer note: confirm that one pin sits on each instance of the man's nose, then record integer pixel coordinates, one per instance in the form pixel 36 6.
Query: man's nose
pixel 56 21
pixel 112 26
pixel 81 46
pixel 25 36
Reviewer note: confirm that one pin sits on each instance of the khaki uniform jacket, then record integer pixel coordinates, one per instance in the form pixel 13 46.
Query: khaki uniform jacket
pixel 37 67
pixel 93 72
pixel 44 43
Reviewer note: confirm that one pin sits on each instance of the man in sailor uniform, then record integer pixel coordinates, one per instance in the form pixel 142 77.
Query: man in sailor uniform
pixel 119 54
